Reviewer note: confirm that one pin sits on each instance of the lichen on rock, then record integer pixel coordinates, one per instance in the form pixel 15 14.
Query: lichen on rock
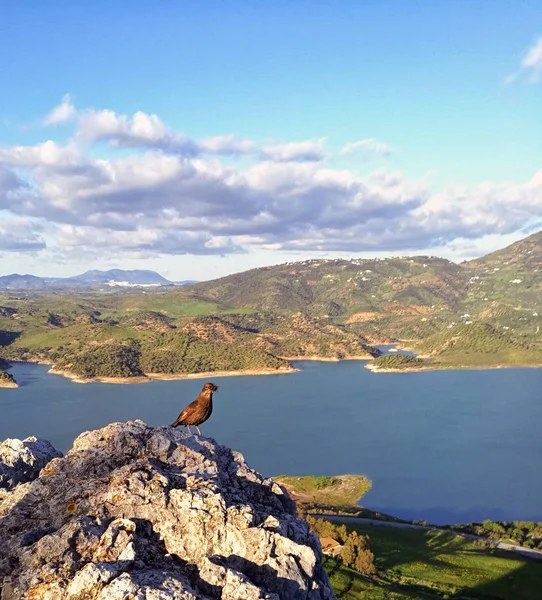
pixel 138 512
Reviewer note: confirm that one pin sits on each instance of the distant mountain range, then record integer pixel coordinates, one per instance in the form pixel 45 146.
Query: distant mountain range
pixel 481 313
pixel 89 279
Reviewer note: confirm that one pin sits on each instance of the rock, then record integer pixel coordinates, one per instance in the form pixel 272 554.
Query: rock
pixel 139 512
pixel 21 461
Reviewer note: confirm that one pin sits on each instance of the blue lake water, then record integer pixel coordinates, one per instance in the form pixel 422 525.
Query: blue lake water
pixel 446 446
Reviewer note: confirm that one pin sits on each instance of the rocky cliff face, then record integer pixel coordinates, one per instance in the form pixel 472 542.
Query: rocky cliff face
pixel 139 512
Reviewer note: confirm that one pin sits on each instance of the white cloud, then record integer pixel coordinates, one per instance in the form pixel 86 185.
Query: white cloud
pixel 143 240
pixel 307 151
pixel 172 195
pixel 532 61
pixel 369 147
pixel 62 113
pixel 531 64
pixel 142 130
pixel 19 235
pixel 227 144
pixel 148 131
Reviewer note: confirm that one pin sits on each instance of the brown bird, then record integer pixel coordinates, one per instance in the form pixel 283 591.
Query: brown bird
pixel 199 411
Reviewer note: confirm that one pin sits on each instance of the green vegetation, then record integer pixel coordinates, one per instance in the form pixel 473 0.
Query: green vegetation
pixel 202 345
pixel 6 379
pixel 339 287
pixel 348 584
pixel 92 342
pixel 354 551
pixel 521 533
pixel 483 313
pixel 480 344
pixel 435 564
pixel 108 360
pixel 300 336
pixel 398 362
pixel 337 495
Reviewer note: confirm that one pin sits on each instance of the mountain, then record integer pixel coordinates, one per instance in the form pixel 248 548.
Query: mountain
pixel 509 279
pixel 136 277
pixel 113 277
pixel 525 254
pixel 22 282
pixel 342 287
pixel 333 308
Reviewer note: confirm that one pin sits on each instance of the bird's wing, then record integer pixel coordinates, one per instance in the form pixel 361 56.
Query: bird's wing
pixel 185 412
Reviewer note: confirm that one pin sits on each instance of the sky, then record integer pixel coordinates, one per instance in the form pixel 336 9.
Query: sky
pixel 204 138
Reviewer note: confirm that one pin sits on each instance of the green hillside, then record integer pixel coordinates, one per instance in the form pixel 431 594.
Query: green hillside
pixel 131 343
pixel 480 344
pixel 341 287
pixel 525 254
pixel 420 564
pixel 485 312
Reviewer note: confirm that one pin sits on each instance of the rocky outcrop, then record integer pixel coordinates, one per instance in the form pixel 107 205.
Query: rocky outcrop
pixel 139 512
pixel 22 461
pixel 6 379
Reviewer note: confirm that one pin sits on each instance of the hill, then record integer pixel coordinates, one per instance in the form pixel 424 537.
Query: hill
pixel 370 289
pixel 480 344
pixel 86 343
pixel 88 279
pixel 340 288
pixel 316 308
pixel 509 280
pixel 136 277
pixel 22 282
pixel 524 254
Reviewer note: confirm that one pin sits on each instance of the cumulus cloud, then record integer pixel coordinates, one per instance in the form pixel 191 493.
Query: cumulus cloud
pixel 172 195
pixel 368 147
pixel 140 130
pixel 157 241
pixel 19 235
pixel 62 113
pixel 143 130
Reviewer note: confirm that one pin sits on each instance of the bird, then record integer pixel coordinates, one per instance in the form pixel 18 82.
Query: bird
pixel 198 411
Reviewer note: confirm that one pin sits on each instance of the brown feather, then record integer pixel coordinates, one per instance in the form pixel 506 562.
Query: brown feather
pixel 198 411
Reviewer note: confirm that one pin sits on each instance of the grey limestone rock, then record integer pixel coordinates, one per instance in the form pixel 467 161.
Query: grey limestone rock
pixel 21 461
pixel 138 512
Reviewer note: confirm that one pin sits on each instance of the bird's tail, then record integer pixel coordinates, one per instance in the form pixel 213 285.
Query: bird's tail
pixel 176 423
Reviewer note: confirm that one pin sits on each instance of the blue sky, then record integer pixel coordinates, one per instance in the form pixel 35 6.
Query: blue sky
pixel 355 129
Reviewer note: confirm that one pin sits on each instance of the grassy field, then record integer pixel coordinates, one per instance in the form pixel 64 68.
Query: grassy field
pixel 341 492
pixel 420 564
pixel 350 585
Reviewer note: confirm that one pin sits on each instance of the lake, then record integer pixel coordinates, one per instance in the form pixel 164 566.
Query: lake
pixel 445 446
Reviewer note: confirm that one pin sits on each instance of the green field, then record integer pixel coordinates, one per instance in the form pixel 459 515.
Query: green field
pixel 338 494
pixel 424 564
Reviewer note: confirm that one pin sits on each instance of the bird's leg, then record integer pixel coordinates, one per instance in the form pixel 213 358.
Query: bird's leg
pixel 197 429
pixel 189 430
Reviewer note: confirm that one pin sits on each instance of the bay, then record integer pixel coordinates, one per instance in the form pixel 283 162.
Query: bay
pixel 445 446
